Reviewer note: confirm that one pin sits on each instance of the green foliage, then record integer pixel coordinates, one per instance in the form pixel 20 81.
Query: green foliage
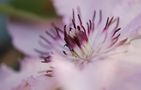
pixel 40 7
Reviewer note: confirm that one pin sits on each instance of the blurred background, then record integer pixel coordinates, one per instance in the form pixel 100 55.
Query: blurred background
pixel 20 9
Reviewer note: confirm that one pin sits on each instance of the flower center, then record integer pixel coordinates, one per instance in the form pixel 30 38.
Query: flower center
pixel 76 39
pixel 84 43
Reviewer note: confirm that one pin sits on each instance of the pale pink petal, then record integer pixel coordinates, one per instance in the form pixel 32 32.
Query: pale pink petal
pixel 9 78
pixel 129 53
pixel 26 34
pixel 37 83
pixel 132 29
pixel 5 72
pixel 127 10
pixel 128 74
pixel 23 86
pixel 30 67
pixel 95 76
pixel 87 7
pixel 128 77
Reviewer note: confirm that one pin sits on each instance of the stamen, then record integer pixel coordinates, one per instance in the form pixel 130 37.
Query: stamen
pixel 44 45
pixel 73 20
pixel 115 39
pixel 49 73
pixel 57 28
pixel 45 39
pixel 100 16
pixel 46 59
pixel 50 35
pixel 88 28
pixel 64 53
pixel 94 15
pixel 108 23
pixel 117 23
pixel 117 30
pixel 41 52
pixel 90 24
pixel 80 20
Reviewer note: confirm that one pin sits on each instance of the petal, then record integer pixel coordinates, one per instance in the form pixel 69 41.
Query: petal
pixel 26 34
pixel 8 78
pixel 101 73
pixel 129 63
pixel 86 7
pixel 37 83
pixel 132 29
pixel 95 76
pixel 23 86
pixel 30 67
pixel 68 76
pixel 5 71
pixel 127 77
pixel 130 52
pixel 127 10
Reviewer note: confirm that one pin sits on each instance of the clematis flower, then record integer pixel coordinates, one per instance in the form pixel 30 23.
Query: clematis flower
pixel 98 47
pixel 91 50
